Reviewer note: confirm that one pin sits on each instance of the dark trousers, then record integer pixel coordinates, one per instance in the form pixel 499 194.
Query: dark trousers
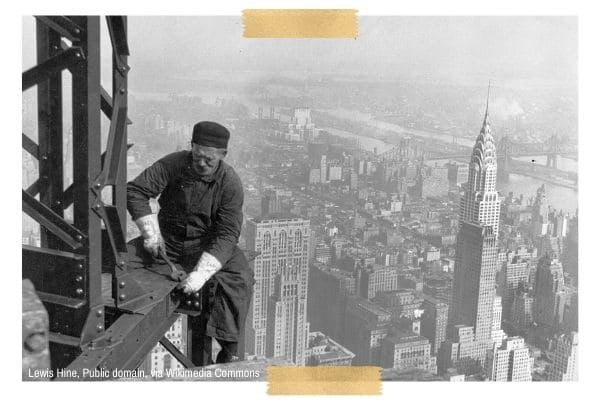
pixel 226 298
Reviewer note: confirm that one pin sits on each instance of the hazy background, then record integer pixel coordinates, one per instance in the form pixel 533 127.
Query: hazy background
pixel 534 49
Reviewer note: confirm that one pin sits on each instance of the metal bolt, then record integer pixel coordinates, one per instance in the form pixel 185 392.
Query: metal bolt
pixel 44 158
pixel 79 291
pixel 197 295
pixel 77 31
pixel 122 296
pixel 80 266
pixel 99 327
pixel 97 185
pixel 79 238
pixel 96 206
pixel 122 263
pixel 78 55
pixel 122 90
pixel 121 284
pixel 197 304
pixel 78 278
pixel 58 202
pixel 35 342
pixel 188 303
pixel 99 313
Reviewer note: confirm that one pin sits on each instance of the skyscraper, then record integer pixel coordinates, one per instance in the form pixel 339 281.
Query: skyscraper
pixel 480 204
pixel 476 249
pixel 277 315
pixel 511 362
pixel 564 365
pixel 549 281
pixel 434 321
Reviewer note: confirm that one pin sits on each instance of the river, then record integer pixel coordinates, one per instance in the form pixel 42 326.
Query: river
pixel 559 197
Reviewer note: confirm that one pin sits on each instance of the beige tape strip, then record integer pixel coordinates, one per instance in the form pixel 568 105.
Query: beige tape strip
pixel 330 380
pixel 341 24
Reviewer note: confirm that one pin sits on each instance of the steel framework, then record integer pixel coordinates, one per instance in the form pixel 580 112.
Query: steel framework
pixel 103 314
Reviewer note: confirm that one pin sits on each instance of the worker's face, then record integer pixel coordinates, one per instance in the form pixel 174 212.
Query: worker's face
pixel 205 159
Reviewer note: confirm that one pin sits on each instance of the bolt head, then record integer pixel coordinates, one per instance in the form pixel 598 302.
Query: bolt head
pixel 121 284
pixel 99 327
pixel 35 342
pixel 79 238
pixel 122 90
pixel 122 263
pixel 197 295
pixel 97 185
pixel 99 313
pixel 188 303
pixel 78 278
pixel 197 304
pixel 79 291
pixel 122 296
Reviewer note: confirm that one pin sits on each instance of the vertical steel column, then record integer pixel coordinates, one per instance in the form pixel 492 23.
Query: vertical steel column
pixel 119 81
pixel 86 162
pixel 50 131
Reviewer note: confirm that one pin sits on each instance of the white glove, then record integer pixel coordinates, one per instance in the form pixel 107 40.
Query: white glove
pixel 150 230
pixel 207 266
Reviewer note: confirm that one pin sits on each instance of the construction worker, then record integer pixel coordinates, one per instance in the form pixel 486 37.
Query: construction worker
pixel 198 227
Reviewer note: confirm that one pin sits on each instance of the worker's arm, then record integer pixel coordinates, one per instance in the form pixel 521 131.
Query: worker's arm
pixel 149 184
pixel 224 235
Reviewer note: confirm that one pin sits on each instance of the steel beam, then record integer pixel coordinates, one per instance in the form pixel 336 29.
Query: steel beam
pixel 62 25
pixel 86 158
pixel 52 221
pixel 50 130
pixel 63 60
pixel 30 146
pixel 174 351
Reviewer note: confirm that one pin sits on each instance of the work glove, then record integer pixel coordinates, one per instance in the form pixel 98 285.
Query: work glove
pixel 150 230
pixel 206 267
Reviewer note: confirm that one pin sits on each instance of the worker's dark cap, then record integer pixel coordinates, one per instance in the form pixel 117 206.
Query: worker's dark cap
pixel 211 134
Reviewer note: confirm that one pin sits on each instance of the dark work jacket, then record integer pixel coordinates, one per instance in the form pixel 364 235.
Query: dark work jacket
pixel 197 213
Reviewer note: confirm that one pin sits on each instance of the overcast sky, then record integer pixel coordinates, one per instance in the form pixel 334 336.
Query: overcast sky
pixel 442 47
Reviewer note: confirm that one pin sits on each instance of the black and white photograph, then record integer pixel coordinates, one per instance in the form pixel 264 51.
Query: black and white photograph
pixel 201 204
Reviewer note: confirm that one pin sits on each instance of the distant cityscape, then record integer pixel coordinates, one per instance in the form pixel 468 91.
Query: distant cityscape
pixel 374 249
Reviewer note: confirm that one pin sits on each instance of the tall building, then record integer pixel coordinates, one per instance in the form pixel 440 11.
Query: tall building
pixel 474 279
pixel 366 324
pixel 498 334
pixel 564 366
pixel 549 282
pixel 513 275
pixel 481 203
pixel 434 321
pixel 539 212
pixel 511 362
pixel 476 250
pixel 328 292
pixel 277 315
